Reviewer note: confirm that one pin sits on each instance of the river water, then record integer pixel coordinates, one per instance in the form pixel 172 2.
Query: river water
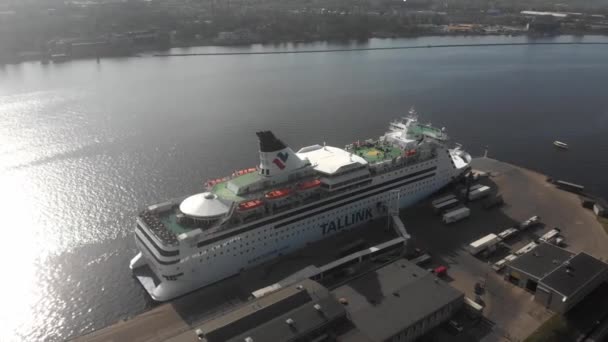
pixel 85 145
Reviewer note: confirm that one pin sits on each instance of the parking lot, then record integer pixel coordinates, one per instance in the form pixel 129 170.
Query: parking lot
pixel 509 310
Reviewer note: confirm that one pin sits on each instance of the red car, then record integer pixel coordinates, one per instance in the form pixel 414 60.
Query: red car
pixel 440 271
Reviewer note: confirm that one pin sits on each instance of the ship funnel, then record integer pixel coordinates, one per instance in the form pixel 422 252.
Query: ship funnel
pixel 275 156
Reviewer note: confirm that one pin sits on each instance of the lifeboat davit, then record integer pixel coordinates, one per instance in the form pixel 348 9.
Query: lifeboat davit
pixel 309 185
pixel 276 194
pixel 250 205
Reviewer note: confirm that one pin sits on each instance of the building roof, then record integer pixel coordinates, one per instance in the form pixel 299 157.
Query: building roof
pixel 387 301
pixel 264 319
pixel 573 275
pixel 305 319
pixel 353 335
pixel 329 160
pixel 541 260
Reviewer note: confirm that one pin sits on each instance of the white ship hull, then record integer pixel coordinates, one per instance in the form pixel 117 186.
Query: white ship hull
pixel 200 266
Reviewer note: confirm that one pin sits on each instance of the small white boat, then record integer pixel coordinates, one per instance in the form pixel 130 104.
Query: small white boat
pixel 560 144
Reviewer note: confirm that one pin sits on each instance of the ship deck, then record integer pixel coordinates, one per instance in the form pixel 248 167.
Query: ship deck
pixel 375 154
pixel 222 191
pixel 170 221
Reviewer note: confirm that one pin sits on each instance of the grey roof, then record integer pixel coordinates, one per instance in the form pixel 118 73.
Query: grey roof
pixel 572 276
pixel 387 301
pixel 353 335
pixel 264 318
pixel 306 320
pixel 541 260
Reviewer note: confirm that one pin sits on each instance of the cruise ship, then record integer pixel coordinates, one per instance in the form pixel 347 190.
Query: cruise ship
pixel 288 200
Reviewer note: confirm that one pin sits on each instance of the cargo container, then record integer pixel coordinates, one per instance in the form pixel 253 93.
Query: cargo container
pixel 442 199
pixel 550 236
pixel 456 215
pixel 600 209
pixel 479 193
pixel 531 222
pixel 472 188
pixel 443 206
pixel 507 233
pixel 487 242
pixel 473 309
pixel 500 264
pixel 525 249
pixel 569 186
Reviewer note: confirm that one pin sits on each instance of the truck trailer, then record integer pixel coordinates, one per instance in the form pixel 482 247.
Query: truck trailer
pixel 443 206
pixel 479 193
pixel 442 199
pixel 487 242
pixel 456 215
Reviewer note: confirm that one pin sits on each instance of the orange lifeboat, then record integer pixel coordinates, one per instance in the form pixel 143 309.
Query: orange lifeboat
pixel 250 205
pixel 276 194
pixel 244 171
pixel 213 182
pixel 410 153
pixel 309 185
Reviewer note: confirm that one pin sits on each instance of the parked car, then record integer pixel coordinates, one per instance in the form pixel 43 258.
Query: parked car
pixel 440 271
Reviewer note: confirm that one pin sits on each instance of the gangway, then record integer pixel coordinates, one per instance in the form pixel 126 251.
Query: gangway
pixel 395 220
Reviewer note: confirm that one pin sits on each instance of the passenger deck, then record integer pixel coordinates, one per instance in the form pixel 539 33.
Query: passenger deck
pixel 377 153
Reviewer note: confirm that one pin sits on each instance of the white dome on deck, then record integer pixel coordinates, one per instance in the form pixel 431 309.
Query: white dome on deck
pixel 205 205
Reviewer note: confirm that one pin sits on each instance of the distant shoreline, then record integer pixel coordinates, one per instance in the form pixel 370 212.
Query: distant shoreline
pixel 167 53
pixel 373 49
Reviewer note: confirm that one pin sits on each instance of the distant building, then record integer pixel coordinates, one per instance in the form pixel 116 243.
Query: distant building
pixel 537 13
pixel 243 36
pixel 88 49
pixel 558 278
pixel 462 28
pixel 545 24
pixel 600 208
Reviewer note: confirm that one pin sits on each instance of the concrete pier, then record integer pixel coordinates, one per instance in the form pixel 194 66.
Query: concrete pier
pixel 510 309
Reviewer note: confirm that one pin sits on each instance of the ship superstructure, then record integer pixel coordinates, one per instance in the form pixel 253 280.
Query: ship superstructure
pixel 288 200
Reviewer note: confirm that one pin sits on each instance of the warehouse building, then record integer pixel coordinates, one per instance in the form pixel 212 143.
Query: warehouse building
pixel 398 302
pixel 558 278
pixel 528 269
pixel 572 281
pixel 301 312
